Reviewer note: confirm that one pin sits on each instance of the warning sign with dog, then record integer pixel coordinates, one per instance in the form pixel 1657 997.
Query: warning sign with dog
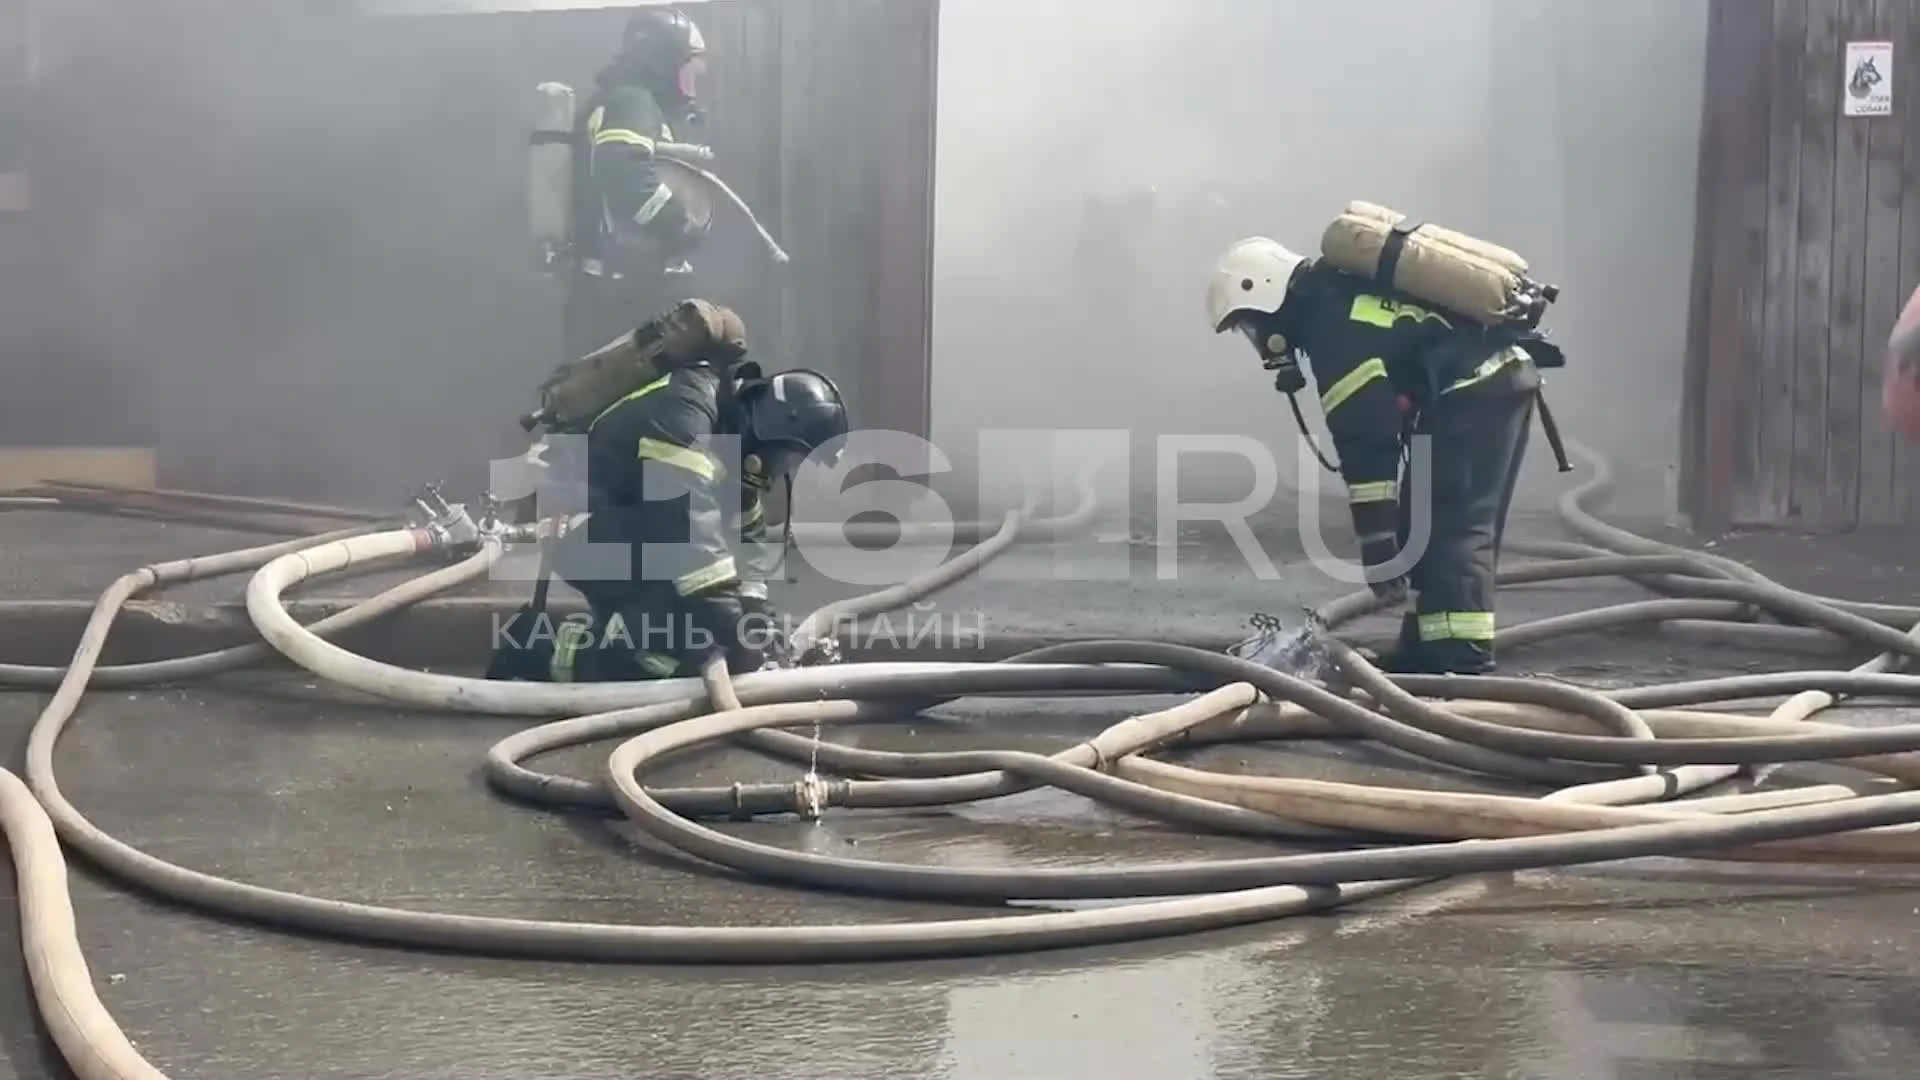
pixel 1869 89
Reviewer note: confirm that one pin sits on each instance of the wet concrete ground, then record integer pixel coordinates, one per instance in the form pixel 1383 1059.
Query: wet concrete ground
pixel 1655 969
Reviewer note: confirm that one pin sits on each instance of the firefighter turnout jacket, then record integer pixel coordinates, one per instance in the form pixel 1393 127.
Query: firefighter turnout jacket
pixel 1378 358
pixel 621 192
pixel 697 556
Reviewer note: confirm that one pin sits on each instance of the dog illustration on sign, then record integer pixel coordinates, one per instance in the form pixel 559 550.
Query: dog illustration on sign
pixel 1866 75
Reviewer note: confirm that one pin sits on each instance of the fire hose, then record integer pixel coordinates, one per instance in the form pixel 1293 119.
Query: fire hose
pixel 684 157
pixel 1617 769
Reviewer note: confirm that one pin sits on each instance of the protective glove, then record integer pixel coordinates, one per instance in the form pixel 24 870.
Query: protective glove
pixel 1374 555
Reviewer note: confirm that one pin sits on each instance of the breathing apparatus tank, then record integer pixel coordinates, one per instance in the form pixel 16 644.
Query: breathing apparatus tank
pixel 1467 276
pixel 550 171
pixel 580 390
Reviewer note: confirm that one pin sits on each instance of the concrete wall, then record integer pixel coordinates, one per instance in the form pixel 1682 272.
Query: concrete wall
pixel 1565 128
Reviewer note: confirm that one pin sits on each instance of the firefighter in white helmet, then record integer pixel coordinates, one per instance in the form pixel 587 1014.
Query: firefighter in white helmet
pixel 1386 368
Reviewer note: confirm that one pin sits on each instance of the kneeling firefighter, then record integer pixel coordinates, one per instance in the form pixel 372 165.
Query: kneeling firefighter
pixel 687 529
pixel 631 232
pixel 1388 366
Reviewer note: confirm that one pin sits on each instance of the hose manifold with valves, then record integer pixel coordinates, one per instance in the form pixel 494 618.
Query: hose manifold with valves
pixel 451 529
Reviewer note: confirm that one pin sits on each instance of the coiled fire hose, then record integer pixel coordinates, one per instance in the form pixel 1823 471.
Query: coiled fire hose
pixel 1616 767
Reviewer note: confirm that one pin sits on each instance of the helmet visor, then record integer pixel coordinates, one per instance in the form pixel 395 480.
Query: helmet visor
pixel 781 459
pixel 689 77
pixel 1270 345
pixel 785 458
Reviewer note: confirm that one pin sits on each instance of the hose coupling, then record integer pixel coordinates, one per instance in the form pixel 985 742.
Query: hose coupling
pixel 531 532
pixel 428 504
pixel 494 526
pixel 448 525
pixel 456 532
pixel 490 508
pixel 813 793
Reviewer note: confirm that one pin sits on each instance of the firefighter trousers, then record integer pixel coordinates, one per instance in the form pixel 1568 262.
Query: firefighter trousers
pixel 621 645
pixel 1477 441
pixel 537 646
pixel 621 638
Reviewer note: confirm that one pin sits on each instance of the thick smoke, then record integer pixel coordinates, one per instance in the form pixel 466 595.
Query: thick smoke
pixel 1567 131
pixel 290 250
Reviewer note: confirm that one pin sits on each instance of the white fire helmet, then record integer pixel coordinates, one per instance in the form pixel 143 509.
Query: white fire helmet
pixel 1252 276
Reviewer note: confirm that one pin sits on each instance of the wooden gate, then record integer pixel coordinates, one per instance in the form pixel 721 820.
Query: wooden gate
pixel 1808 244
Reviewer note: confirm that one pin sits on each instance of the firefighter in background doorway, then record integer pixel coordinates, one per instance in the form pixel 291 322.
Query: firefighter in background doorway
pixel 1386 367
pixel 633 235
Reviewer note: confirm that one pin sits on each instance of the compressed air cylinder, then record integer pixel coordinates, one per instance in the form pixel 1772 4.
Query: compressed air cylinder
pixel 1481 281
pixel 550 166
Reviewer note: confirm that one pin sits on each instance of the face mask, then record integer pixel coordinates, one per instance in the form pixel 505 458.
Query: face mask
pixel 1273 348
pixel 689 77
pixel 1276 355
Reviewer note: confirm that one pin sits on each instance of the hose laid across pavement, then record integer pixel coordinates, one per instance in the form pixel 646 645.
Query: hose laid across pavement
pixel 1594 747
pixel 252 514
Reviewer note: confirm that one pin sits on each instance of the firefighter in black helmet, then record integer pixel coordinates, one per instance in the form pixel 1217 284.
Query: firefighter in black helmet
pixel 633 233
pixel 688 522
